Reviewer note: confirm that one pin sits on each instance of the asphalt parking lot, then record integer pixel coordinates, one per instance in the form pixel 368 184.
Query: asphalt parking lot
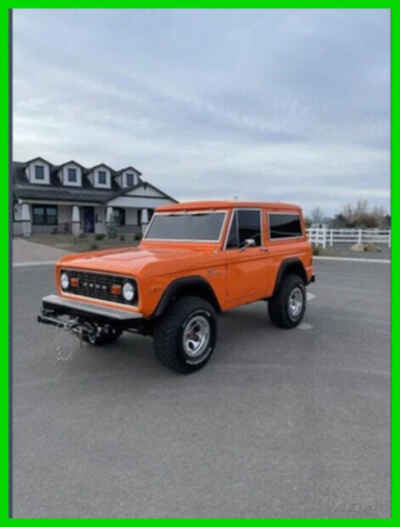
pixel 279 424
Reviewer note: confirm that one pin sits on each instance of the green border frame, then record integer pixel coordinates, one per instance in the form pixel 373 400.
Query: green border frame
pixel 6 269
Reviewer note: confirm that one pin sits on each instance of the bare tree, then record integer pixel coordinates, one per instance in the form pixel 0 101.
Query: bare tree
pixel 361 215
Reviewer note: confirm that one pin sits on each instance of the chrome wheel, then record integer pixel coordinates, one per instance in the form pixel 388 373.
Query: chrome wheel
pixel 295 303
pixel 196 337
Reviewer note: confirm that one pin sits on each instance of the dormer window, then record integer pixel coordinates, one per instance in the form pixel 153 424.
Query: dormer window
pixel 39 172
pixel 130 178
pixel 102 177
pixel 72 175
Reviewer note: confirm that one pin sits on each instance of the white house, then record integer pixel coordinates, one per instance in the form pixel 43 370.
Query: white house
pixel 72 198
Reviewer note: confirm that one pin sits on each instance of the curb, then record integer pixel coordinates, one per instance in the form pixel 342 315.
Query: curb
pixel 331 258
pixel 31 264
pixel 344 259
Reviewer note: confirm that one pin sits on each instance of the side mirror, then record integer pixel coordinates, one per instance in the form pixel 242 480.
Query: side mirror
pixel 249 242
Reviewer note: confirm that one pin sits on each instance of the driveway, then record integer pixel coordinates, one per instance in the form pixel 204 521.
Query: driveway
pixel 24 252
pixel 280 423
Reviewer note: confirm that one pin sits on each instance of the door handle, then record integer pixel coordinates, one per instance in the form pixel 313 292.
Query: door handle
pixel 264 249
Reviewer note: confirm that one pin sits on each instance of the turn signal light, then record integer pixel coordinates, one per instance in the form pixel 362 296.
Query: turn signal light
pixel 74 282
pixel 116 289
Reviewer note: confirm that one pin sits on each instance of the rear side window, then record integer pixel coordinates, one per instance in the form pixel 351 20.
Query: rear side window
pixel 245 224
pixel 284 226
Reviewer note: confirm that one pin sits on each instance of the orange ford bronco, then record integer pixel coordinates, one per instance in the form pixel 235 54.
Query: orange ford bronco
pixel 196 259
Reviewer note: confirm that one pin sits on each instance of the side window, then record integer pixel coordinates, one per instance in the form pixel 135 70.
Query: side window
pixel 245 224
pixel 284 226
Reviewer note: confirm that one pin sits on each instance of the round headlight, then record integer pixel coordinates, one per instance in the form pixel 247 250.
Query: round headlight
pixel 64 281
pixel 128 291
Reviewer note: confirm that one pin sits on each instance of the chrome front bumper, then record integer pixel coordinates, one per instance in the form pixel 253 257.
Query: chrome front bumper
pixel 54 306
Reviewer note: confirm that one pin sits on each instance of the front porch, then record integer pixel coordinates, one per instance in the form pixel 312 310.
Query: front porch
pixel 60 218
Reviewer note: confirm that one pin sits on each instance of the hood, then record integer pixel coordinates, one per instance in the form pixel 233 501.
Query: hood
pixel 136 260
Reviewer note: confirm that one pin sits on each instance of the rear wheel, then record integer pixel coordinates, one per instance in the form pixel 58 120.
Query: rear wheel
pixel 185 337
pixel 287 306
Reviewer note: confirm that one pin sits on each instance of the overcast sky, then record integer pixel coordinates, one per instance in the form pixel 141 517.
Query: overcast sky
pixel 274 105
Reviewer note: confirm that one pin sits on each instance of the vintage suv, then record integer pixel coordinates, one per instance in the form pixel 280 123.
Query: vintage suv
pixel 196 259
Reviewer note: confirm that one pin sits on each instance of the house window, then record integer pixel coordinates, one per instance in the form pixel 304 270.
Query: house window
pixel 129 180
pixel 284 226
pixel 72 175
pixel 245 224
pixel 101 177
pixel 44 215
pixel 39 172
pixel 119 216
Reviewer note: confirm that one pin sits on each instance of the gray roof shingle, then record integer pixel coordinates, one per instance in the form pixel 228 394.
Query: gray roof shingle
pixel 22 188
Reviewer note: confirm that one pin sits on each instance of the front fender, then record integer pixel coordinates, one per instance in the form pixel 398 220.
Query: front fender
pixel 194 285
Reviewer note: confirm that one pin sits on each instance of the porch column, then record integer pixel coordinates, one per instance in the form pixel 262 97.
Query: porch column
pixel 26 219
pixel 109 215
pixel 99 220
pixel 144 219
pixel 76 222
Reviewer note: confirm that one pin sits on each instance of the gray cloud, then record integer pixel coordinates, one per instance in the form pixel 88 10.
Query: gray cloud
pixel 273 104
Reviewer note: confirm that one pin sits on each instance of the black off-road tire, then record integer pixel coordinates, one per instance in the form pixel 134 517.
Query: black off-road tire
pixel 169 330
pixel 278 305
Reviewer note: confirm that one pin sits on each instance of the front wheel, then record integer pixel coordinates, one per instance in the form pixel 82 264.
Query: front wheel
pixel 185 337
pixel 287 306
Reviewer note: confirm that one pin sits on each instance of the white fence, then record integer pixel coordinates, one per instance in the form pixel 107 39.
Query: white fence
pixel 331 237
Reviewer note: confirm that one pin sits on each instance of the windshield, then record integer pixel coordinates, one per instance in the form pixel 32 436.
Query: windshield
pixel 198 226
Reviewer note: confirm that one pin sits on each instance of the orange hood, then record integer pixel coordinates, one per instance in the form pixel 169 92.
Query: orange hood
pixel 143 260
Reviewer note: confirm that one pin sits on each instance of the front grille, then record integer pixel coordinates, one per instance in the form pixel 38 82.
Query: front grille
pixel 97 285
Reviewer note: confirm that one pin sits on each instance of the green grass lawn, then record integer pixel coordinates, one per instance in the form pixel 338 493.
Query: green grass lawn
pixel 84 243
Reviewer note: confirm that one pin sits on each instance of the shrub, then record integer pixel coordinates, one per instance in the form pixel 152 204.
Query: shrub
pixel 137 237
pixel 93 247
pixel 371 247
pixel 122 238
pixel 111 229
pixel 316 250
pixel 100 237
